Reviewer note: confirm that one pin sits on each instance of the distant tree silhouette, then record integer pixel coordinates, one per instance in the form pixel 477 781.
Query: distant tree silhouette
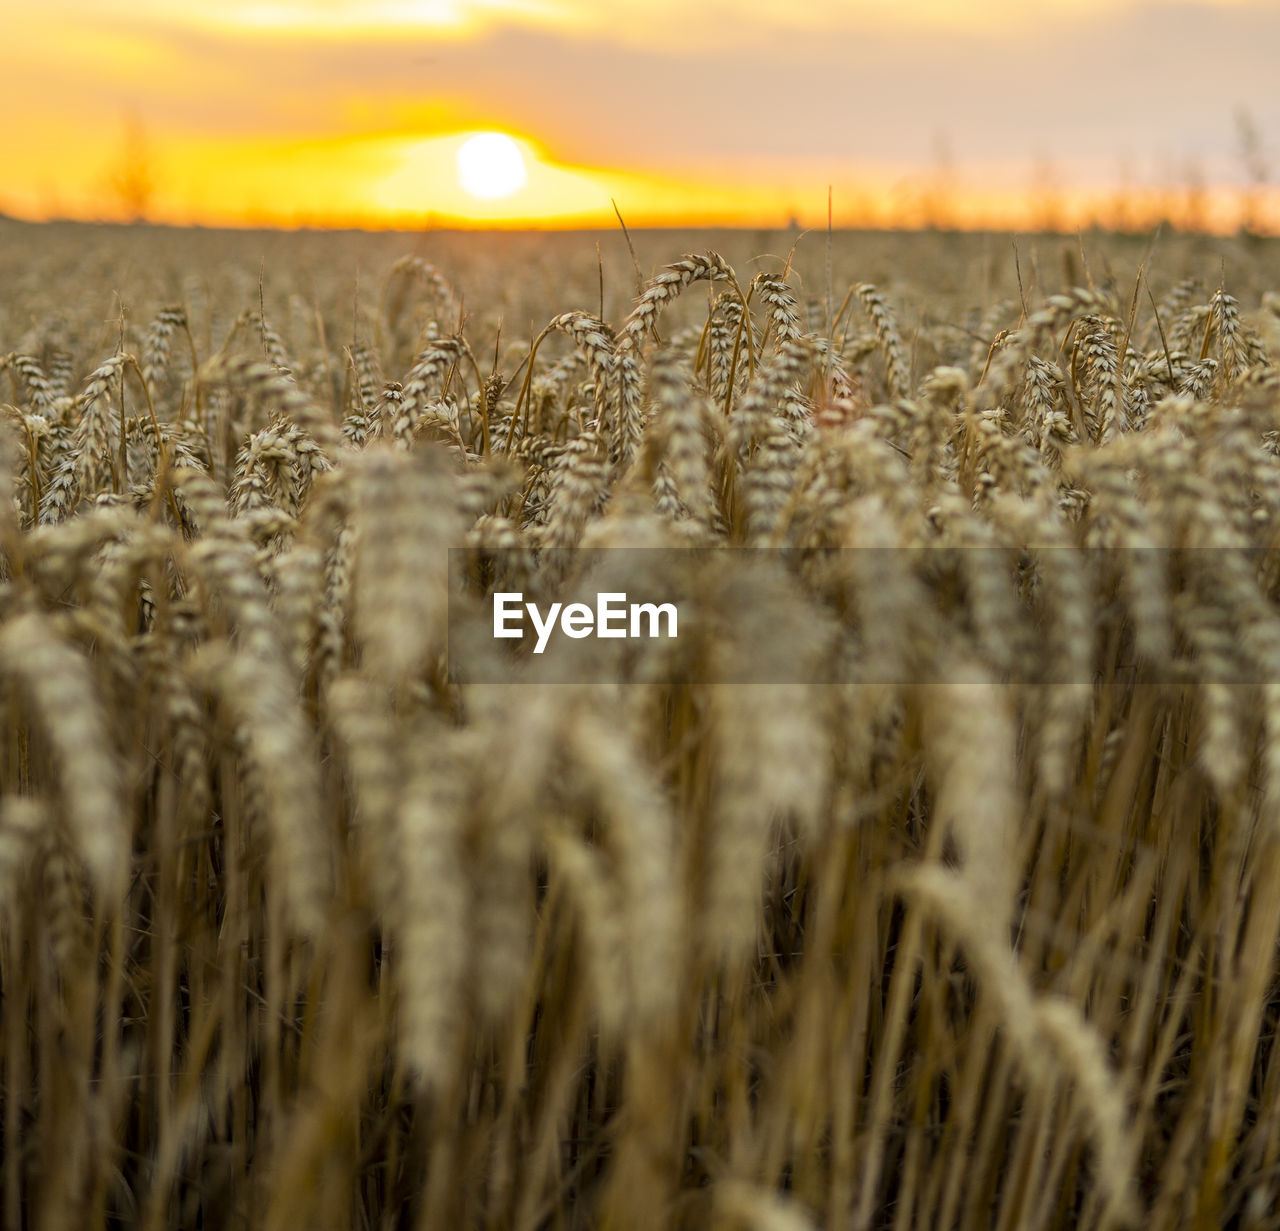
pixel 1257 171
pixel 1046 197
pixel 132 177
pixel 1195 197
pixel 938 196
pixel 1122 212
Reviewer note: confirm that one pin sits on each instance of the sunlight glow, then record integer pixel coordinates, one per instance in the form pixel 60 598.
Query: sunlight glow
pixel 469 113
pixel 345 17
pixel 426 179
pixel 490 166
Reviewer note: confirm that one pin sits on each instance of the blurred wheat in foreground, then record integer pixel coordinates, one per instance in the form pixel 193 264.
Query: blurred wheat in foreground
pixel 297 931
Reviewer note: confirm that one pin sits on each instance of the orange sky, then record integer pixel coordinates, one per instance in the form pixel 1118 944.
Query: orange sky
pixel 338 111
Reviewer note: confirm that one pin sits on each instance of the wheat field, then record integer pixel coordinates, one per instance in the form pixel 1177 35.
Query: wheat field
pixel 938 888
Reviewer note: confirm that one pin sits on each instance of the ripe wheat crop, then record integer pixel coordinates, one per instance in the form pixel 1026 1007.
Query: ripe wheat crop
pixel 937 887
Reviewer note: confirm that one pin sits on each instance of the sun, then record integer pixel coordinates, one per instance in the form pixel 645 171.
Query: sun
pixel 490 166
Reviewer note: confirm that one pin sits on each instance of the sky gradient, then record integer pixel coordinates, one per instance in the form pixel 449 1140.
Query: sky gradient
pixel 335 111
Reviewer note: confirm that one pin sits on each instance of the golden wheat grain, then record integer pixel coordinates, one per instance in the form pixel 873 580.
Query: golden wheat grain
pixel 294 920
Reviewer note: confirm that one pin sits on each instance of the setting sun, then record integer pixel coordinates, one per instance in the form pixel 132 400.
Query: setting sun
pixel 490 166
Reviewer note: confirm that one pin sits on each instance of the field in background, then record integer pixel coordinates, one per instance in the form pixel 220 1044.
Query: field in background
pixel 509 274
pixel 295 930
